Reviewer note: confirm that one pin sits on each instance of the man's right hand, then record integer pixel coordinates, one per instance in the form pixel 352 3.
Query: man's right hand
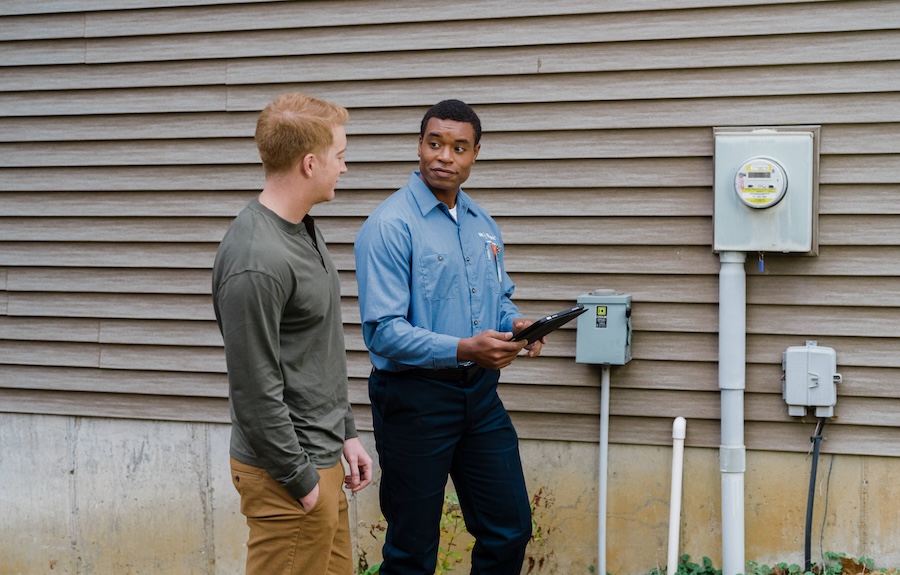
pixel 490 349
pixel 308 501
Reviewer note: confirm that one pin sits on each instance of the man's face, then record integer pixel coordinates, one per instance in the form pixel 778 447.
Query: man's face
pixel 447 151
pixel 332 163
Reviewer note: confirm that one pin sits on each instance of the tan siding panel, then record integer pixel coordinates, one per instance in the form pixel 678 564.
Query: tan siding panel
pixel 664 346
pixel 43 52
pixel 604 231
pixel 626 114
pixel 163 358
pixel 677 259
pixel 64 6
pixel 867 199
pixel 764 289
pixel 549 399
pixel 120 255
pixel 871 169
pixel 35 78
pixel 114 229
pixel 333 13
pixel 110 280
pixel 142 127
pixel 566 29
pixel 49 329
pixel 834 320
pixel 865 381
pixel 114 381
pixel 595 57
pixel 853 139
pixel 146 306
pixel 130 406
pixel 46 353
pixel 598 57
pixel 137 100
pixel 47 27
pixel 859 230
pixel 782 80
pixel 644 288
pixel 151 332
pixel 665 112
pixel 136 204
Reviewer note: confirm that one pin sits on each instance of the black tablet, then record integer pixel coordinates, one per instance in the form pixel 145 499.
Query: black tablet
pixel 545 325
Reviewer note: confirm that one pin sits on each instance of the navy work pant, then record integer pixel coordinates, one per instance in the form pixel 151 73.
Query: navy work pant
pixel 427 429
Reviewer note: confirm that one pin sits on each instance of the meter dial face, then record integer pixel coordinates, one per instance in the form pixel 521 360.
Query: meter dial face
pixel 760 182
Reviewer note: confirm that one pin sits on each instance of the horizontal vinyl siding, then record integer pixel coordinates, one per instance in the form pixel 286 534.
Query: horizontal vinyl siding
pixel 126 148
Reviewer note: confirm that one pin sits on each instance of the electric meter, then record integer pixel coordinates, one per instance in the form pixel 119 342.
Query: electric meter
pixel 760 182
pixel 754 211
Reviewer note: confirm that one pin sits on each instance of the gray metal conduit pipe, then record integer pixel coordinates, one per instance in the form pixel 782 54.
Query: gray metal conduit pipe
pixel 732 370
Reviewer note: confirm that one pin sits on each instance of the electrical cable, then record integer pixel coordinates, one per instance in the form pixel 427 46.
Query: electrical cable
pixel 816 440
pixel 825 513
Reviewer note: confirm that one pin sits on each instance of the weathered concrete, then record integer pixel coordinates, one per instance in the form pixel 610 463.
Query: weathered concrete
pixel 89 495
pixel 855 497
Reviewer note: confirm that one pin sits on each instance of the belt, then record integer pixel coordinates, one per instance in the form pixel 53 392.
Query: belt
pixel 463 372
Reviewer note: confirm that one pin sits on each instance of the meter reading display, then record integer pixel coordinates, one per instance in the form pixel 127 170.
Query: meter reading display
pixel 760 182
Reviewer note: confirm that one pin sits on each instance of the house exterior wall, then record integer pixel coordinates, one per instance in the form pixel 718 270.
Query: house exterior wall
pixel 126 149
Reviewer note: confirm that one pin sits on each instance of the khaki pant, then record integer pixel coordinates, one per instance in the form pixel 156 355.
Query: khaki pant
pixel 285 539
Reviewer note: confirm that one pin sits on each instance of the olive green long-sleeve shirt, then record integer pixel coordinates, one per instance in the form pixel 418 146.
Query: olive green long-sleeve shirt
pixel 276 295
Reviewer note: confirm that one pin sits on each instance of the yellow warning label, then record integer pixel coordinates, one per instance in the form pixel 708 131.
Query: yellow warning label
pixel 601 310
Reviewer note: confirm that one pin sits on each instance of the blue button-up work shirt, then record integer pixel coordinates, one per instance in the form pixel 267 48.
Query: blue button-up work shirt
pixel 426 281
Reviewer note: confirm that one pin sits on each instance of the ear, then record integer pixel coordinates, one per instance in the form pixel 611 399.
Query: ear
pixel 476 149
pixel 307 164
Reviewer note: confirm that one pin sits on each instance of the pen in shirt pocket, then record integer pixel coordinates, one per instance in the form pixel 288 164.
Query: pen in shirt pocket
pixel 496 249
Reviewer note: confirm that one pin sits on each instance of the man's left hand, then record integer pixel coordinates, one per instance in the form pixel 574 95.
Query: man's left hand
pixel 532 349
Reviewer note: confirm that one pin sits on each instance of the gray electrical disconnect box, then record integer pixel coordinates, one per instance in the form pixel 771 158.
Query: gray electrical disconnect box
pixel 604 330
pixel 810 379
pixel 766 188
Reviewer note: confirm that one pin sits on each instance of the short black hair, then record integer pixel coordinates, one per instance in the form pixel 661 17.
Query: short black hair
pixel 455 110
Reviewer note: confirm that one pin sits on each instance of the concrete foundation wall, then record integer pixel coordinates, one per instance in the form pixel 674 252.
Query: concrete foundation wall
pixel 104 496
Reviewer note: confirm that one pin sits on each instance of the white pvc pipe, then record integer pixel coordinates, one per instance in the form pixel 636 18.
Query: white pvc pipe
pixel 678 432
pixel 732 373
pixel 603 470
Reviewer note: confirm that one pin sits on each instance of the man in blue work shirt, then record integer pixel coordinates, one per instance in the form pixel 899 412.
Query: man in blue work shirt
pixel 438 322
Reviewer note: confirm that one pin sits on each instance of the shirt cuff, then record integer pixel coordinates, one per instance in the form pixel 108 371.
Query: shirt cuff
pixel 350 425
pixel 302 484
pixel 445 350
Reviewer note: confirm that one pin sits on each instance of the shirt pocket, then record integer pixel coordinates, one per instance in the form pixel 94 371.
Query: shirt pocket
pixel 493 274
pixel 440 278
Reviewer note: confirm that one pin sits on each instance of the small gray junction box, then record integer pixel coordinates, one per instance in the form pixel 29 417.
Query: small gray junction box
pixel 604 330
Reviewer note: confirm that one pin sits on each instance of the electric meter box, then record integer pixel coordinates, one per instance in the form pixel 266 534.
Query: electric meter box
pixel 810 379
pixel 766 190
pixel 604 330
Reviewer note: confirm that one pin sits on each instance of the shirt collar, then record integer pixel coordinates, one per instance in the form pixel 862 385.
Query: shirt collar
pixel 426 200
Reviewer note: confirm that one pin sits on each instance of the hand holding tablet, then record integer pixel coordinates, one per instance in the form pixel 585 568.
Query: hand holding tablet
pixel 545 325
